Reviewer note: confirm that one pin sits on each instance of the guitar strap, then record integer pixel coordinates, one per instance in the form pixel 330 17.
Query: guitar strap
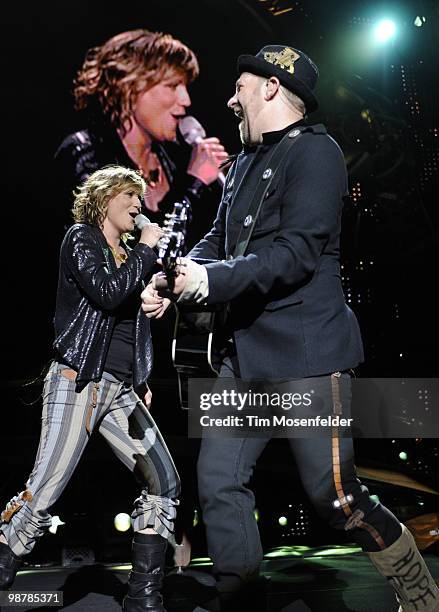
pixel 273 164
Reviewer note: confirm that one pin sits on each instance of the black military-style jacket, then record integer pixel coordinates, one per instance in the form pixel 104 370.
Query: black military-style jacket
pixel 90 287
pixel 288 313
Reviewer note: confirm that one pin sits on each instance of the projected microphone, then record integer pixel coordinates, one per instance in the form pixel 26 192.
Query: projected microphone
pixel 193 133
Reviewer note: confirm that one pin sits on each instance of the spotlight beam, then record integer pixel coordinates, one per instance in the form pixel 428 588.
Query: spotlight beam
pixel 384 31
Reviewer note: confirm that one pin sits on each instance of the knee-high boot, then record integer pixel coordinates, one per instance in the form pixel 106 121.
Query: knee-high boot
pixel 9 566
pixel 146 576
pixel 403 566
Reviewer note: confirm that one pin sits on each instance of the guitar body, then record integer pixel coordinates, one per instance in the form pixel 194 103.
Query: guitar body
pixel 197 348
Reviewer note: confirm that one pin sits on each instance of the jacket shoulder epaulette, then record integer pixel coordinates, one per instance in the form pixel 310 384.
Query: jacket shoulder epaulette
pixel 318 129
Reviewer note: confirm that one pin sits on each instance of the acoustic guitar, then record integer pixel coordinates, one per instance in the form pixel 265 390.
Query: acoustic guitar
pixel 196 347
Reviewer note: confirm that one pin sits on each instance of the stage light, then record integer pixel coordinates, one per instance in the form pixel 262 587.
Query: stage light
pixel 342 92
pixel 366 115
pixel 384 31
pixel 256 514
pixel 403 456
pixel 288 551
pixel 201 561
pixel 56 522
pixel 419 21
pixel 308 551
pixel 283 521
pixel 122 521
pixel 338 549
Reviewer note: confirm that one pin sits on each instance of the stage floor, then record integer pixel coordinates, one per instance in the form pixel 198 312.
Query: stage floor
pixel 326 579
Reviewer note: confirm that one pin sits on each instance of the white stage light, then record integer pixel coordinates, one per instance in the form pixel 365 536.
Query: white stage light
pixel 122 521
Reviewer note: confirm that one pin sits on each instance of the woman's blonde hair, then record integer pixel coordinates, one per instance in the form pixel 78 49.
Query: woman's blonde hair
pixel 92 197
pixel 114 74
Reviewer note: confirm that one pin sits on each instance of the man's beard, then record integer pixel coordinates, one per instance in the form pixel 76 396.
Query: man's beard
pixel 248 136
pixel 244 131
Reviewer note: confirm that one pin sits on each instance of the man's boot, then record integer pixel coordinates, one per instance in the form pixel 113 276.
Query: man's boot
pixel 146 576
pixel 232 592
pixel 401 563
pixel 9 566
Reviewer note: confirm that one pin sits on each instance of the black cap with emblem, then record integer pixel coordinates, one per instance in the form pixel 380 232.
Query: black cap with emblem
pixel 294 69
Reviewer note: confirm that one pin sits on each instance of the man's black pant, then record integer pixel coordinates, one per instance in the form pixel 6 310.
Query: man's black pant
pixel 327 470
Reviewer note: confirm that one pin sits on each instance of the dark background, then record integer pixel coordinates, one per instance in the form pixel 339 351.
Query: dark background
pixel 379 102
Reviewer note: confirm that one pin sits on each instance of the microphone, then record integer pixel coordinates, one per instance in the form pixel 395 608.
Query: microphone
pixel 191 130
pixel 193 133
pixel 140 221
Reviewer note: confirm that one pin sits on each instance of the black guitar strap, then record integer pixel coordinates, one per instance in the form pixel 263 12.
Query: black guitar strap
pixel 273 164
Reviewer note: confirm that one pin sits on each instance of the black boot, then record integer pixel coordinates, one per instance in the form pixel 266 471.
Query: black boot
pixel 9 566
pixel 254 591
pixel 146 576
pixel 232 591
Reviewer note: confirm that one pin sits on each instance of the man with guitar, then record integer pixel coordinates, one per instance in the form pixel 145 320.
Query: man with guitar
pixel 274 248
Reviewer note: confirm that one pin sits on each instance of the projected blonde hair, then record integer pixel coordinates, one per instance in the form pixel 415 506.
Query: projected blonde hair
pixel 114 74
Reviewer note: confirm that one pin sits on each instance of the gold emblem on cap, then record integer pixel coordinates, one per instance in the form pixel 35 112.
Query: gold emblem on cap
pixel 285 58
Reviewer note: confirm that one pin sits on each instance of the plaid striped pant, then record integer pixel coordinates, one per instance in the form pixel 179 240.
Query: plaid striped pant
pixel 68 418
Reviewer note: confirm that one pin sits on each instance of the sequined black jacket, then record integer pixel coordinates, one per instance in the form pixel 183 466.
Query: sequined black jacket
pixel 90 287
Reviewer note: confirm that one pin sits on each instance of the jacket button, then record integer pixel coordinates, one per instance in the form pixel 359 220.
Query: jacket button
pixel 267 173
pixel 248 220
pixel 293 134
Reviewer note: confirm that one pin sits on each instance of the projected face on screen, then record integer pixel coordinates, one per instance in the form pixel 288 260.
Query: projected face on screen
pixel 158 109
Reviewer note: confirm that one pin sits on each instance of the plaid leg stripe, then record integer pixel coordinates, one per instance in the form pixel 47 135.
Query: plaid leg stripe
pixel 66 421
pixel 62 442
pixel 134 437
